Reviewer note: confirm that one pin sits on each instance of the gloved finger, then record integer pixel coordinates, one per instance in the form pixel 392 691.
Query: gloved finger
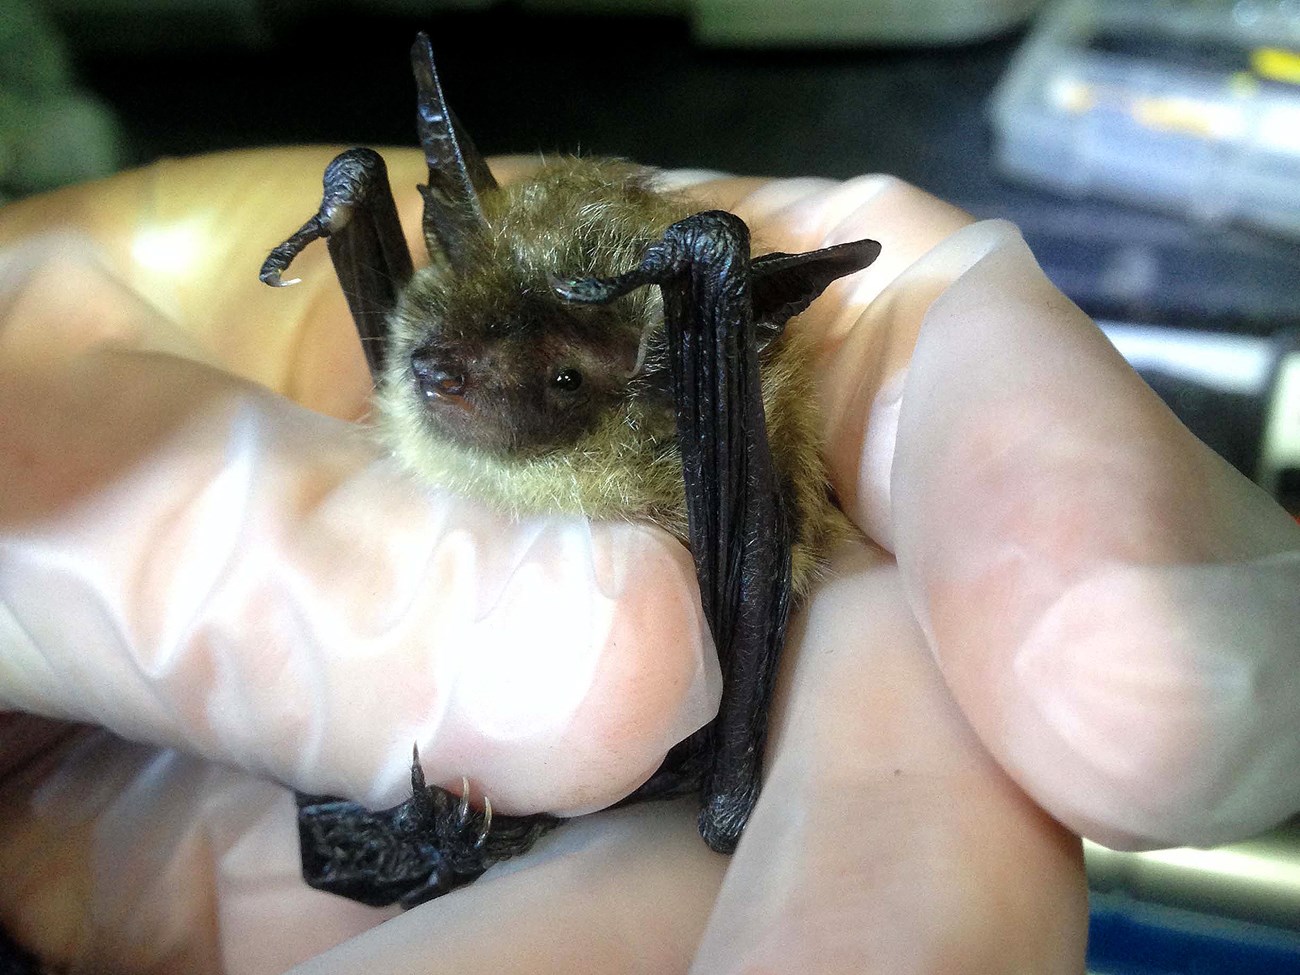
pixel 118 857
pixel 1112 604
pixel 1034 481
pixel 186 238
pixel 865 325
pixel 189 560
pixel 886 838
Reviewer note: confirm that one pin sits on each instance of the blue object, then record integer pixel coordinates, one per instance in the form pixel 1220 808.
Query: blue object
pixel 1128 937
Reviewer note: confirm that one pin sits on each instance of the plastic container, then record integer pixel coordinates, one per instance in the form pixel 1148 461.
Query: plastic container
pixel 823 23
pixel 1192 106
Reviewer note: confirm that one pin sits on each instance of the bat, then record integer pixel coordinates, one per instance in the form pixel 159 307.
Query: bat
pixel 583 341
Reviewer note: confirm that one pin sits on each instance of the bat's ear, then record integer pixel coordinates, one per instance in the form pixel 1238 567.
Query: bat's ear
pixel 783 285
pixel 453 214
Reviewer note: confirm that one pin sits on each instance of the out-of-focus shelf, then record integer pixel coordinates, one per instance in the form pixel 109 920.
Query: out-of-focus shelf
pixel 1256 880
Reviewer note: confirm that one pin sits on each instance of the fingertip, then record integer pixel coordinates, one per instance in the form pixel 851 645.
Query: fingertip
pixel 591 664
pixel 554 662
pixel 659 678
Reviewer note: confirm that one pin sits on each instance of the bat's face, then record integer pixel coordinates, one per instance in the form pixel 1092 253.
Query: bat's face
pixel 497 363
pixel 493 358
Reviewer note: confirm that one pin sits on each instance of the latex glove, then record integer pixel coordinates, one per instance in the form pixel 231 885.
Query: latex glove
pixel 934 875
pixel 1113 608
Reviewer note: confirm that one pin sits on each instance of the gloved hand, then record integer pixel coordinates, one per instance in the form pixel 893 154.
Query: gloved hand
pixel 190 561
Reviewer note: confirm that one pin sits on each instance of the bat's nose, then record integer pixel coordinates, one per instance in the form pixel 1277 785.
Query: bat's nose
pixel 438 376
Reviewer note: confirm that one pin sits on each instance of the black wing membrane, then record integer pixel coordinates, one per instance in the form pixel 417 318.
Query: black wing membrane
pixel 738 528
pixel 358 218
pixel 739 517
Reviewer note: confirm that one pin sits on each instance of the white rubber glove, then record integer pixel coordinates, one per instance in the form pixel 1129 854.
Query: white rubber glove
pixel 195 562
pixel 887 837
pixel 1116 609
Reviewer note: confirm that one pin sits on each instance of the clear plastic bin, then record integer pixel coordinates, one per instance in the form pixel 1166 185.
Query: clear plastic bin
pixel 1192 106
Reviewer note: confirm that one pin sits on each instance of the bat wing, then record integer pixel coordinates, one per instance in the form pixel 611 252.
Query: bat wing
pixel 429 844
pixel 358 218
pixel 738 511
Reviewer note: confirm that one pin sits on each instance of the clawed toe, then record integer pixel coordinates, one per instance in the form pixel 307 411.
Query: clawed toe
pixel 462 812
pixel 487 823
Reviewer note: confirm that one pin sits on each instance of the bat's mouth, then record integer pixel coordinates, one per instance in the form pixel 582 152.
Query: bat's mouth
pixel 469 417
pixel 443 400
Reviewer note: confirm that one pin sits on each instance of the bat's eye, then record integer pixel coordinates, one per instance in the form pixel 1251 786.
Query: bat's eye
pixel 567 380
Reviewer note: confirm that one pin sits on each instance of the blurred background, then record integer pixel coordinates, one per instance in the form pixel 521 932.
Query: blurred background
pixel 1149 150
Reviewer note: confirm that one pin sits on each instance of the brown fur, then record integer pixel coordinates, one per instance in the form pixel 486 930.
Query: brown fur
pixel 609 452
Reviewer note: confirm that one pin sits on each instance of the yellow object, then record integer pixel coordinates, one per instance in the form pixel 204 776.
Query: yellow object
pixel 1276 64
pixel 1194 116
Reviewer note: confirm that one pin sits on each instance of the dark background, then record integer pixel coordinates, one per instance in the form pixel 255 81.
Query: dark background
pixel 629 86
pixel 638 87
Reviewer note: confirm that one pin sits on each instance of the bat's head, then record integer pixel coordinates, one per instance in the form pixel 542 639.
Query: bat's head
pixel 499 365
pixel 483 353
pixel 491 385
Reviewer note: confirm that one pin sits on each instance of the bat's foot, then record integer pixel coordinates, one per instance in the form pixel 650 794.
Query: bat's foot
pixel 427 846
pixel 424 848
